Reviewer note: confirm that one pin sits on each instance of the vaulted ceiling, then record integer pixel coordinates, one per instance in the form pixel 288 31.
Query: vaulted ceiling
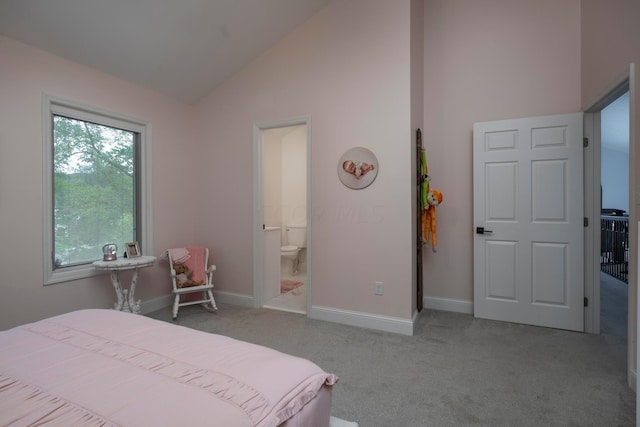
pixel 182 48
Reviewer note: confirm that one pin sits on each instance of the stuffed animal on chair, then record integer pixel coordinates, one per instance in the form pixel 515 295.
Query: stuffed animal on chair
pixel 184 276
pixel 429 229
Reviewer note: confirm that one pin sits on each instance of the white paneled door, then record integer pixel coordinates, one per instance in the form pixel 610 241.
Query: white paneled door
pixel 528 221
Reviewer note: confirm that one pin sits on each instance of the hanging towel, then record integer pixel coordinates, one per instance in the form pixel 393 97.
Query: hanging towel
pixel 197 264
pixel 179 255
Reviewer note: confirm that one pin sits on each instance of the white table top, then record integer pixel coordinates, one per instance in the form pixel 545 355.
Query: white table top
pixel 125 263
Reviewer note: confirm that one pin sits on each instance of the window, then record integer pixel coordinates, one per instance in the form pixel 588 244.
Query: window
pixel 96 187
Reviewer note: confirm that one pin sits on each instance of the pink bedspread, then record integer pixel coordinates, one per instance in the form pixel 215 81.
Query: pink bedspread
pixel 108 368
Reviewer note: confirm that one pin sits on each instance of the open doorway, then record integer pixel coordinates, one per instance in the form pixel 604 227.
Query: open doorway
pixel 281 206
pixel 614 217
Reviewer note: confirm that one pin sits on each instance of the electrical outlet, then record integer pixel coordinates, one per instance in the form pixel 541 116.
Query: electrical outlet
pixel 379 288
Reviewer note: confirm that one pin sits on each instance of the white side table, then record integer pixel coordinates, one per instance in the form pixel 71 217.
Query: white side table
pixel 125 297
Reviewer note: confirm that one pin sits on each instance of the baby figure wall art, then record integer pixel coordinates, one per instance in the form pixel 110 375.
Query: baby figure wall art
pixel 358 168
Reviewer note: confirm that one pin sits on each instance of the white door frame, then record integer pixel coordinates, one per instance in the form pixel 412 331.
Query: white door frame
pixel 592 180
pixel 258 206
pixel 629 80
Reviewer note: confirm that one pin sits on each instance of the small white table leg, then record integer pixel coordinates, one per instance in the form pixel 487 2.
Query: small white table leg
pixel 116 285
pixel 133 305
pixel 125 305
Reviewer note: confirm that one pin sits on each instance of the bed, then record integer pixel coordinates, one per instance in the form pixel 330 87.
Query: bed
pixel 110 368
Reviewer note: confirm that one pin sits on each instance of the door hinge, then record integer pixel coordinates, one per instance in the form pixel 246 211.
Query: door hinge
pixel 586 222
pixel 586 302
pixel 585 142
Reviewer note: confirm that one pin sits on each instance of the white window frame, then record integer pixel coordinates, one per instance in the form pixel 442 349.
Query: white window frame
pixel 54 105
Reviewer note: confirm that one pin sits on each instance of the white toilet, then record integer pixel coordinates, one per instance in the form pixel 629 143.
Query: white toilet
pixel 296 239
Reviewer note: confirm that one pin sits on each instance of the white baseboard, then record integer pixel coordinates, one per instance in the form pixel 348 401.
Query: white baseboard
pixel 241 300
pixel 159 303
pixel 328 314
pixel 449 304
pixel 363 320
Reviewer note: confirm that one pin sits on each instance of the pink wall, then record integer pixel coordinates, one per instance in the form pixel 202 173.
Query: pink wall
pixel 610 42
pixel 25 74
pixel 351 68
pixel 342 68
pixel 489 60
pixel 417 117
pixel 348 69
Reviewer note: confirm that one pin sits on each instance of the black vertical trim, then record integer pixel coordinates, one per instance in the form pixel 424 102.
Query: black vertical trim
pixel 419 179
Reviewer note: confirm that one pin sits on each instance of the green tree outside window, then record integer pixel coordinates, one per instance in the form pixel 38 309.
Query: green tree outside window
pixel 94 183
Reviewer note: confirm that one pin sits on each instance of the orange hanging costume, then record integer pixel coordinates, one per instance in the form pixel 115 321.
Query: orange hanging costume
pixel 429 200
pixel 429 229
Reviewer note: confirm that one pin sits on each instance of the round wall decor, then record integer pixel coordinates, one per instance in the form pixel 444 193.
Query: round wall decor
pixel 358 168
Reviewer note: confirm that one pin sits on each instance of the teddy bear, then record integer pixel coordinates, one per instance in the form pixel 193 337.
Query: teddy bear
pixel 183 276
pixel 434 198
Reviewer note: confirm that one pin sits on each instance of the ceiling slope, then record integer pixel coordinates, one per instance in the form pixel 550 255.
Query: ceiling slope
pixel 183 49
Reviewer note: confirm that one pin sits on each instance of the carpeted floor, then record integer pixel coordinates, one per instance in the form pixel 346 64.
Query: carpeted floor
pixel 455 371
pixel 614 299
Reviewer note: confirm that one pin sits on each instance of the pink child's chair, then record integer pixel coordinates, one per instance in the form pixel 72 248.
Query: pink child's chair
pixel 190 275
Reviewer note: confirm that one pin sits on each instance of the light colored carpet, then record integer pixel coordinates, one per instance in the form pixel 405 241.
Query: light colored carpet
pixel 614 299
pixel 454 371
